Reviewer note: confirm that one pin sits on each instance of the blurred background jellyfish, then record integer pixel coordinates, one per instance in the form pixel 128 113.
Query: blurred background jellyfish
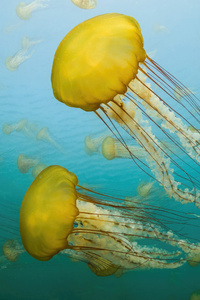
pixel 27 43
pixel 20 126
pixel 13 62
pixel 112 75
pixel 24 10
pixel 12 249
pixel 44 135
pixel 112 148
pixel 195 295
pixel 24 163
pixel 38 169
pixel 59 216
pixel 144 188
pixel 160 28
pixel 93 143
pixel 85 4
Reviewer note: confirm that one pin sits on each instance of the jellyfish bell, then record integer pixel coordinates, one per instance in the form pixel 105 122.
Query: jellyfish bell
pixel 24 163
pixel 7 129
pixel 144 189
pixel 11 250
pixel 85 4
pixel 57 217
pixel 195 295
pixel 47 213
pixel 109 76
pixel 13 62
pixel 92 143
pixel 24 10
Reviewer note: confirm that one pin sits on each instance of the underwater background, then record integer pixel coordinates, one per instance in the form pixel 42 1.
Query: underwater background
pixel 172 37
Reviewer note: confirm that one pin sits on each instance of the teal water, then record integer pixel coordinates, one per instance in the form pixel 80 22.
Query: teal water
pixel 27 94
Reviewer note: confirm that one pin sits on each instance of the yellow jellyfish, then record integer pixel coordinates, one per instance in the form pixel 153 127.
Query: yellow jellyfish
pixel 59 216
pixel 144 189
pixel 112 148
pixel 38 169
pixel 85 4
pixel 12 249
pixel 93 143
pixel 195 295
pixel 24 163
pixel 20 126
pixel 112 75
pixel 24 10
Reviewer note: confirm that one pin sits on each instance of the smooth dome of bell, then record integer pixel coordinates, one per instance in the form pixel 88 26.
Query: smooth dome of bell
pixel 48 212
pixel 97 60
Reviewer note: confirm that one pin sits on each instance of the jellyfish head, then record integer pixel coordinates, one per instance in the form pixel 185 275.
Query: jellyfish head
pixel 24 10
pixel 48 212
pixel 24 163
pixel 11 250
pixel 7 129
pixel 43 134
pixel 108 148
pixel 144 189
pixel 85 4
pixel 21 125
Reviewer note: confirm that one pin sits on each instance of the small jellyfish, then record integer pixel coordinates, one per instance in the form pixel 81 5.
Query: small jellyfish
pixel 112 148
pixel 85 4
pixel 194 261
pixel 8 129
pixel 26 43
pixel 38 169
pixel 13 62
pixel 24 163
pixel 12 249
pixel 92 144
pixel 195 295
pixel 44 135
pixel 144 189
pixel 24 10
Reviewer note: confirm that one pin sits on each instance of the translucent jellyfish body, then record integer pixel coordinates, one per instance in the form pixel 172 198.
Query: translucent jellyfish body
pixel 112 148
pixel 13 62
pixel 59 216
pixel 12 249
pixel 85 4
pixel 8 129
pixel 144 189
pixel 116 83
pixel 24 163
pixel 44 135
pixel 93 143
pixel 24 10
pixel 195 295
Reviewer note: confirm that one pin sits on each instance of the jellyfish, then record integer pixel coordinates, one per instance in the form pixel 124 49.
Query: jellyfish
pixel 24 163
pixel 38 169
pixel 92 144
pixel 59 216
pixel 26 43
pixel 195 295
pixel 24 10
pixel 112 148
pixel 12 249
pixel 44 135
pixel 85 4
pixel 112 75
pixel 144 189
pixel 13 62
pixel 20 126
